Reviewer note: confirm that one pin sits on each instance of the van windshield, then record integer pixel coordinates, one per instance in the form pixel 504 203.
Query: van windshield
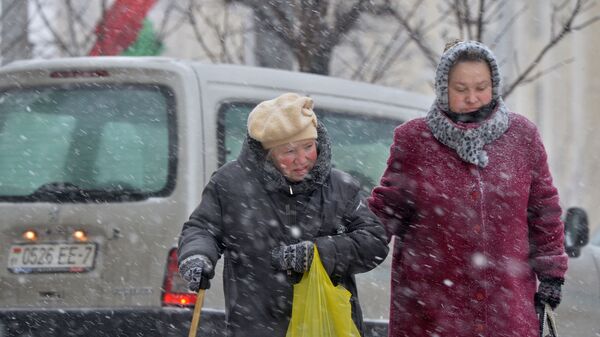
pixel 86 143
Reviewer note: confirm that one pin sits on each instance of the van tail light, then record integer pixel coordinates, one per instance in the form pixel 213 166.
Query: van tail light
pixel 175 290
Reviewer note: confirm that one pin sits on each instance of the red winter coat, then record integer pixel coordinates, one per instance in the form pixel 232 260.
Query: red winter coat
pixel 473 239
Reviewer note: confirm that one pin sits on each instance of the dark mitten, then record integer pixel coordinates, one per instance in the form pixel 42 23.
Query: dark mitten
pixel 197 270
pixel 549 291
pixel 296 257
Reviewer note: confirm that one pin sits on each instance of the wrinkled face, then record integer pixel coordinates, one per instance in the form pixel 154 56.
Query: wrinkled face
pixel 295 160
pixel 469 86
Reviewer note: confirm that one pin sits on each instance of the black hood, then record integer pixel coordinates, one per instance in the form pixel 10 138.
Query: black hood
pixel 254 158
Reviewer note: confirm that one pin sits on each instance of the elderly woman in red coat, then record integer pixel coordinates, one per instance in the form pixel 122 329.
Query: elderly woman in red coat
pixel 468 194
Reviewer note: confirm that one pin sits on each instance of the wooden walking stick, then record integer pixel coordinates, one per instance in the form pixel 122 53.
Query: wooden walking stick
pixel 196 315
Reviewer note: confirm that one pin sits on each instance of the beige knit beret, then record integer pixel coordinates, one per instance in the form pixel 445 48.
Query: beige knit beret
pixel 285 119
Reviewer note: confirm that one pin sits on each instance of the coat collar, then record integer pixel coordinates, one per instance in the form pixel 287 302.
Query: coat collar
pixel 469 139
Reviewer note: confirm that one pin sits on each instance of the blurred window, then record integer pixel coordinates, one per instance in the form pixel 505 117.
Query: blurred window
pixel 103 138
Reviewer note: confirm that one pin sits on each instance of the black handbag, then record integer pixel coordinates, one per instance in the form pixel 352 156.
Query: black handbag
pixel 547 322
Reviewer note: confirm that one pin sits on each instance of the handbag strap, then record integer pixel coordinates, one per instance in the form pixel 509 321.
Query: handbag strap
pixel 547 319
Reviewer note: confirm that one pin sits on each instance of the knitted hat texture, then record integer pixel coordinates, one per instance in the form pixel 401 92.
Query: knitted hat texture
pixel 285 119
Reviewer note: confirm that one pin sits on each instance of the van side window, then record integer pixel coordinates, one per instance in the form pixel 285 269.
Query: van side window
pixel 97 140
pixel 360 144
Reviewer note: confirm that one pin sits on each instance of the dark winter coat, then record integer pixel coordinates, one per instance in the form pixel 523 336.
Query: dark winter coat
pixel 476 219
pixel 248 208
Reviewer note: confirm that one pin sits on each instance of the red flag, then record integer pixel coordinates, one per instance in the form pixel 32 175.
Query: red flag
pixel 120 26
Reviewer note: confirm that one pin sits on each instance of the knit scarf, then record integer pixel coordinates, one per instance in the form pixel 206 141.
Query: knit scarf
pixel 468 142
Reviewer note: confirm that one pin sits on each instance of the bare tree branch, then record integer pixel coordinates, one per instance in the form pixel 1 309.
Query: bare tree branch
pixel 347 64
pixel 86 29
pixel 363 62
pixel 345 21
pixel 286 27
pixel 383 61
pixel 502 31
pixel 199 36
pixel 459 20
pixel 516 62
pixel 163 31
pixel 566 29
pixel 544 72
pixel 586 23
pixel 284 30
pixel 417 37
pixel 495 7
pixel 468 19
pixel 8 9
pixel 480 21
pixel 222 34
pixel 435 22
pixel 380 71
pixel 61 44
pixel 71 17
pixel 314 28
pixel 12 45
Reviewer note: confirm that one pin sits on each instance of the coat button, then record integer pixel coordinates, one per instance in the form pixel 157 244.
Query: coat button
pixel 480 296
pixel 477 229
pixel 479 327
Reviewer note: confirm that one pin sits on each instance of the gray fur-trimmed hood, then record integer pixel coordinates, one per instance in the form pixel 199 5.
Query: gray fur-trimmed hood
pixel 254 158
pixel 447 61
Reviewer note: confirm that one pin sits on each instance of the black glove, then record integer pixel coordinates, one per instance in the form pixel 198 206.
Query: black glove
pixel 197 270
pixel 549 291
pixel 297 257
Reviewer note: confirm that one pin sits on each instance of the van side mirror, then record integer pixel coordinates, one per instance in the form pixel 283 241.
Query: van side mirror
pixel 577 231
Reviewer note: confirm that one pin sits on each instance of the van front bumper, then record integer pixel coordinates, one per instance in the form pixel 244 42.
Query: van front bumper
pixel 165 322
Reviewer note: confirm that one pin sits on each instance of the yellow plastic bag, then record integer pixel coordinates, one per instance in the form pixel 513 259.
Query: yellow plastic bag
pixel 320 309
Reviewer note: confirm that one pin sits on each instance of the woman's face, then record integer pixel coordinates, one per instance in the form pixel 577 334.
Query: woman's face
pixel 469 86
pixel 295 160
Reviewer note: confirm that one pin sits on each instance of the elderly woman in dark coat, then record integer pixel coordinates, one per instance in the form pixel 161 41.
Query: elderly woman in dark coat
pixel 468 194
pixel 265 210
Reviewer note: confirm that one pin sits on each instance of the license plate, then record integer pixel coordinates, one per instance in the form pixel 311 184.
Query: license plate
pixel 53 257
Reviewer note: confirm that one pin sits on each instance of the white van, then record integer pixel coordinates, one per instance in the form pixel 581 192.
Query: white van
pixel 103 159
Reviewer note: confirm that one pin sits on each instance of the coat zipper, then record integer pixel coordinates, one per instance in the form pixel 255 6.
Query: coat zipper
pixel 290 215
pixel 483 226
pixel 291 222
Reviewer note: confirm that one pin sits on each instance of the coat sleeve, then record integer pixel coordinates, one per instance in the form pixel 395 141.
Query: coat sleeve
pixel 546 230
pixel 360 248
pixel 391 200
pixel 202 233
